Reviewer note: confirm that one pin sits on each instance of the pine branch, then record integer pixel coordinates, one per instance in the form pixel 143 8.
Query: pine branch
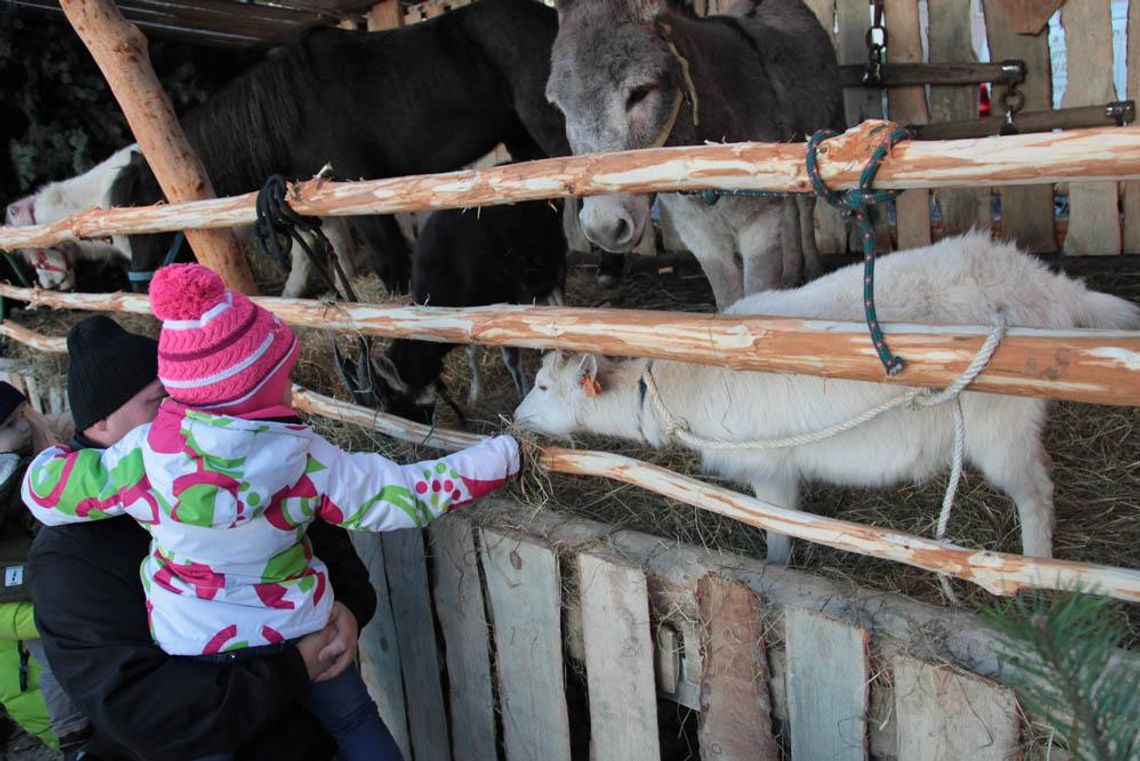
pixel 1062 648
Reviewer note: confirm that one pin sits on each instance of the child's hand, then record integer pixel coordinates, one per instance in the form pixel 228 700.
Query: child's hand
pixel 340 652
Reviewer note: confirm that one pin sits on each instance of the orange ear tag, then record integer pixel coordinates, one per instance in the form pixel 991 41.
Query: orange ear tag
pixel 591 386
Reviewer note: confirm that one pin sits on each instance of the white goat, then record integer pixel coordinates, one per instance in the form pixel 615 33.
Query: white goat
pixel 962 280
pixel 92 189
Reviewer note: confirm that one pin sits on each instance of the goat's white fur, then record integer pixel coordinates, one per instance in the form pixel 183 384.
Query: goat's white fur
pixel 959 280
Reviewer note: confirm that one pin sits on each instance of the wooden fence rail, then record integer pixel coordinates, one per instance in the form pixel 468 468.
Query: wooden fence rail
pixel 998 573
pixel 1090 366
pixel 1092 154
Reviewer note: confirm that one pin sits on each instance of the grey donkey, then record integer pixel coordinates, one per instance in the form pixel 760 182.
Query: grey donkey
pixel 637 74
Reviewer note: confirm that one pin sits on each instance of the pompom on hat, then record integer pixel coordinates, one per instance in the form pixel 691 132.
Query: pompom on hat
pixel 218 351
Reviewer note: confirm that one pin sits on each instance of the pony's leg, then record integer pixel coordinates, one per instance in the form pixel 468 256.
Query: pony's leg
pixel 513 359
pixel 299 272
pixel 476 389
pixel 709 237
pixel 781 491
pixel 340 236
pixel 791 255
pixel 813 265
pixel 1003 439
pixel 760 248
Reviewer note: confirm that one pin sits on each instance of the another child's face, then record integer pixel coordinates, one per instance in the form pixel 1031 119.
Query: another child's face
pixel 15 432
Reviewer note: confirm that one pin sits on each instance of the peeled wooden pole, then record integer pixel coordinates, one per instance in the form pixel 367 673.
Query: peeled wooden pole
pixel 997 572
pixel 1083 365
pixel 1111 153
pixel 120 50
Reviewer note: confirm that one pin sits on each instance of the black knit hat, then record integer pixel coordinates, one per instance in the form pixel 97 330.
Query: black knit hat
pixel 10 399
pixel 106 367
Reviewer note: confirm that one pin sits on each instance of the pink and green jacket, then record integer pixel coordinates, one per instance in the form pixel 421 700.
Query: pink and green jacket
pixel 227 502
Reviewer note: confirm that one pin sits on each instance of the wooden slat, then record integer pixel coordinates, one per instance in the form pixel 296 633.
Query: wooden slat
pixel 1026 212
pixel 860 103
pixel 379 645
pixel 524 596
pixel 1094 220
pixel 1026 16
pixel 736 708
pixel 619 661
pixel 830 229
pixel 908 106
pixel 828 678
pixel 406 567
pixel 1131 243
pixel 950 41
pixel 945 714
pixel 459 606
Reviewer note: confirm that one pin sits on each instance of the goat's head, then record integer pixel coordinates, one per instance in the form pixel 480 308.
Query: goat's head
pixel 562 388
pixel 376 382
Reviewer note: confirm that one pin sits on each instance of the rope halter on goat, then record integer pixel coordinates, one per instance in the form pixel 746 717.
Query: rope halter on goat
pixel 916 398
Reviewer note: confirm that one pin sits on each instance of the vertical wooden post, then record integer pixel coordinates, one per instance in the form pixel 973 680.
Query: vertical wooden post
pixel 1132 189
pixel 120 50
pixel 908 106
pixel 1094 219
pixel 1026 211
pixel 950 41
pixel 860 103
pixel 830 229
pixel 386 14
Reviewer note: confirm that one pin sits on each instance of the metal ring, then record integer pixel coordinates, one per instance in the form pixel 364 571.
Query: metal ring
pixel 869 38
pixel 1014 101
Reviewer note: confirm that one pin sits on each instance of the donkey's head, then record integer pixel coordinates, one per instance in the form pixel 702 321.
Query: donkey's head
pixel 621 84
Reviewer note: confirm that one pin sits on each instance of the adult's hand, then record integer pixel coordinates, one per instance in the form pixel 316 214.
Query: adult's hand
pixel 339 654
pixel 311 646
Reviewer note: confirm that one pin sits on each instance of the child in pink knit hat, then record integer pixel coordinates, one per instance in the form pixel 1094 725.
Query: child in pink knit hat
pixel 227 479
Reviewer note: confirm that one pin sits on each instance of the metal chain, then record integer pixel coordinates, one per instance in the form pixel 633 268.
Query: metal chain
pixel 876 40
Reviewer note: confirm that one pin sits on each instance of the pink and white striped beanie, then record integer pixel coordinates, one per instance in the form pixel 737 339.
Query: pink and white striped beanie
pixel 218 350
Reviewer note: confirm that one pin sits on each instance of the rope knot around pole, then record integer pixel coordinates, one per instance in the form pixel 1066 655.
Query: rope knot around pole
pixel 854 204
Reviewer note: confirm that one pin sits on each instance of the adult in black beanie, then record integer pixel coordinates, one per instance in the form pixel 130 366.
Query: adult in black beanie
pixel 107 366
pixel 90 607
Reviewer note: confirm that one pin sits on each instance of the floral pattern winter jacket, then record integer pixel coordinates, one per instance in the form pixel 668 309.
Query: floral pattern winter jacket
pixel 227 502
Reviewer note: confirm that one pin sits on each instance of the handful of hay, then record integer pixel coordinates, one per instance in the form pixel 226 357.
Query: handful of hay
pixel 533 479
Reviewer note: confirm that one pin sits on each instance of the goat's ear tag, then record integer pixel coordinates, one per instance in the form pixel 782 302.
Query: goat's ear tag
pixel 592 386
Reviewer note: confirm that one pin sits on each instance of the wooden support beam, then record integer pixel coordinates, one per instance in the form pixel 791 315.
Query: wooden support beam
pixel 120 50
pixel 950 41
pixel 1110 153
pixel 908 106
pixel 1026 213
pixel 1094 214
pixel 1082 365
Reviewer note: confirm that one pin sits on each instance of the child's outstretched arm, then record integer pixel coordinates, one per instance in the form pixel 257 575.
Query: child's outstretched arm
pixel 369 492
pixel 70 486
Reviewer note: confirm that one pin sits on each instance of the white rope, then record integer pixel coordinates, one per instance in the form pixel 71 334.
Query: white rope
pixel 918 398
